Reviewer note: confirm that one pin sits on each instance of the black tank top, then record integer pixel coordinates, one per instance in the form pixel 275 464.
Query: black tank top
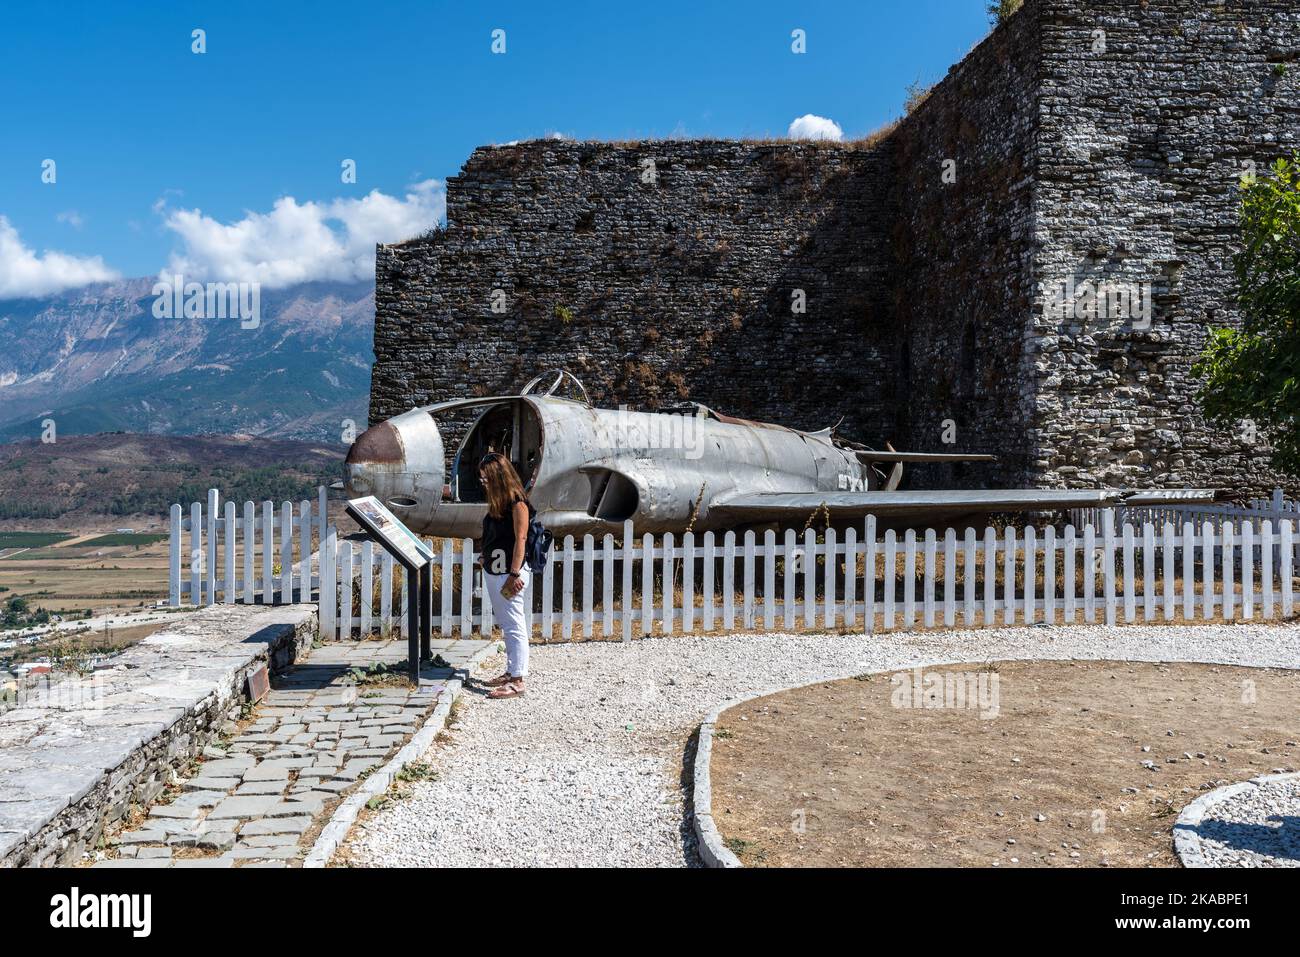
pixel 499 540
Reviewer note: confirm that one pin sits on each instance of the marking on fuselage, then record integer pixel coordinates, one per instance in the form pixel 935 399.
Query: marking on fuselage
pixel 851 483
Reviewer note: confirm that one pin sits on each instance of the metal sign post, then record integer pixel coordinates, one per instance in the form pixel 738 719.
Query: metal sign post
pixel 426 613
pixel 412 627
pixel 414 556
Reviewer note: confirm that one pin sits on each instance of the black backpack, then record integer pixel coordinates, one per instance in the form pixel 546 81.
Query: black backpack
pixel 537 550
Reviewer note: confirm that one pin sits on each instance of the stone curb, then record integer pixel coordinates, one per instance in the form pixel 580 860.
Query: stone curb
pixel 340 823
pixel 713 850
pixel 1187 843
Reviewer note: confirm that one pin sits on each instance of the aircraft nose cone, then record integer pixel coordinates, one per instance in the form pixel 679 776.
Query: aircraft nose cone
pixel 377 450
pixel 379 443
pixel 399 462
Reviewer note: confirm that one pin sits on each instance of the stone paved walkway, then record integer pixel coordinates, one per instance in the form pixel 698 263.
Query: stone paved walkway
pixel 257 799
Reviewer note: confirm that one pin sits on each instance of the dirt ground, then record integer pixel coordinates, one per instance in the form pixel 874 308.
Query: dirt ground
pixel 1039 764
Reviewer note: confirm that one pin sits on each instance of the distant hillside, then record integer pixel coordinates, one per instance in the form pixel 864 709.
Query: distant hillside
pixel 96 359
pixel 123 474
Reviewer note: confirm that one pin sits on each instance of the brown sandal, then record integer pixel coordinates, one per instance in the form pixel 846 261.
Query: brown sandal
pixel 508 690
pixel 499 680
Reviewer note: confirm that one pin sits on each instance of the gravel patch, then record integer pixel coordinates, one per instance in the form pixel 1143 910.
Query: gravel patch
pixel 1256 824
pixel 588 769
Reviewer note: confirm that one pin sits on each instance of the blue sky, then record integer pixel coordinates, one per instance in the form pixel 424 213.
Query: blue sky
pixel 164 155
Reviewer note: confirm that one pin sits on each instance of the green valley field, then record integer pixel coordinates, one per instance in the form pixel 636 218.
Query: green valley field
pixel 83 522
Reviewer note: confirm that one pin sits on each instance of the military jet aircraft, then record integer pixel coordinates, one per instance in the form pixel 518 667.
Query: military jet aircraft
pixel 590 470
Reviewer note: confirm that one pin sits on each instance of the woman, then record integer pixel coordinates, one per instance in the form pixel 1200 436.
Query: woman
pixel 505 537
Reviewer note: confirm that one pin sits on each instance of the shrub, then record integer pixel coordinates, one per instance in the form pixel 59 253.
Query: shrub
pixel 999 10
pixel 1253 373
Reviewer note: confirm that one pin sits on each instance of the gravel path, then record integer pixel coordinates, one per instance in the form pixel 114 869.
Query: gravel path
pixel 586 769
pixel 1257 827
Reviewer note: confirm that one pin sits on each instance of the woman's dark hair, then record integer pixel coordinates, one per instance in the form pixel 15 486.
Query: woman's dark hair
pixel 501 482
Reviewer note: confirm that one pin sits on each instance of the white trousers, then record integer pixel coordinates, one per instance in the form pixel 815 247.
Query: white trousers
pixel 510 615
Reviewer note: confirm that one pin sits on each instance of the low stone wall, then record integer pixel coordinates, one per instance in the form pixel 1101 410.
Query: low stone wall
pixel 76 756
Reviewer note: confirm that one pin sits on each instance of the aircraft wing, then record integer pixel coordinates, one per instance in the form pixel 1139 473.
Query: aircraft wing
pixel 923 457
pixel 939 504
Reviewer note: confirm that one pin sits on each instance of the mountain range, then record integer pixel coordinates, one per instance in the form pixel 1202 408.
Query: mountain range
pixel 98 359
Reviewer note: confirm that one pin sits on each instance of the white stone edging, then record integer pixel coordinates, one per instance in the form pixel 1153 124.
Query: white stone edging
pixel 713 852
pixel 335 832
pixel 1187 843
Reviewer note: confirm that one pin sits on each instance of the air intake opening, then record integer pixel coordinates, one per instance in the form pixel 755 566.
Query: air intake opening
pixel 614 497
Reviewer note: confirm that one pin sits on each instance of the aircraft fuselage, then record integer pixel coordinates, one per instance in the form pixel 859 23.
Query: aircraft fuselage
pixel 590 469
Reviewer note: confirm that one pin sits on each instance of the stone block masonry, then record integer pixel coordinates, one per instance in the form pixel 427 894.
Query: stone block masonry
pixel 963 244
pixel 656 272
pixel 1141 144
pixel 1088 141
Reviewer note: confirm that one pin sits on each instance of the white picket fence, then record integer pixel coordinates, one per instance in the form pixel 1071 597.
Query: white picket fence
pixel 1211 566
pixel 644 585
pixel 1254 513
pixel 215 551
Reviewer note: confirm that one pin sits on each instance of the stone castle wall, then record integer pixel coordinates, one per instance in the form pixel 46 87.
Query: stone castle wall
pixel 924 295
pixel 1142 141
pixel 963 241
pixel 653 283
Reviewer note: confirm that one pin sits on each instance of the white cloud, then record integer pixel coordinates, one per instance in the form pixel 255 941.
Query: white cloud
pixel 71 217
pixel 299 242
pixel 25 273
pixel 810 127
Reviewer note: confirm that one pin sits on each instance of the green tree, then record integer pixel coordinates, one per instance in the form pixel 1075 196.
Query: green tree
pixel 1253 373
